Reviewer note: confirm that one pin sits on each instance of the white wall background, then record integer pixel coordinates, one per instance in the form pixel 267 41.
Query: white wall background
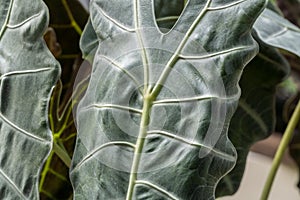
pixel 257 169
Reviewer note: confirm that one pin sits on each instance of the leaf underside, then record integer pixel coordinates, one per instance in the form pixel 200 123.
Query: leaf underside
pixel 27 74
pixel 153 123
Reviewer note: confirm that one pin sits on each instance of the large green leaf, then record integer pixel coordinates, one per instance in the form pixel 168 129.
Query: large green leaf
pixel 272 29
pixel 254 119
pixel 153 123
pixel 28 72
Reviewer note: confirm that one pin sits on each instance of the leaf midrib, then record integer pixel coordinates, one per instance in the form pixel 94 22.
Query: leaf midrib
pixel 151 95
pixel 145 111
pixel 151 92
pixel 158 86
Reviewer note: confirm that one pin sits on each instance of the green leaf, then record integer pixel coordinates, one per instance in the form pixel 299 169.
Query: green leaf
pixel 254 119
pixel 166 13
pixel 153 123
pixel 272 29
pixel 28 72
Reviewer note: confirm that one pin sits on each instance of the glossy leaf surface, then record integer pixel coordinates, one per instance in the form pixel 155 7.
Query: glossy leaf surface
pixel 27 74
pixel 153 123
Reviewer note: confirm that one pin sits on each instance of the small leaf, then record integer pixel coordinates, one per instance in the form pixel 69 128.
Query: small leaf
pixel 153 123
pixel 28 72
pixel 274 30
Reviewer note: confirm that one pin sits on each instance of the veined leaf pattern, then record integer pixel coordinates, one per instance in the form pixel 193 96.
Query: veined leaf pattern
pixel 27 74
pixel 276 31
pixel 254 119
pixel 153 123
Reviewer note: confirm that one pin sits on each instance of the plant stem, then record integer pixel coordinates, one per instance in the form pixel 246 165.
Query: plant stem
pixel 45 170
pixel 148 100
pixel 288 134
pixel 70 15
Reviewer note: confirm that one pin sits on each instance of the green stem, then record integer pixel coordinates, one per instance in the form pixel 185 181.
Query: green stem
pixel 69 137
pixel 62 154
pixel 288 134
pixel 70 15
pixel 48 194
pixel 45 170
pixel 148 100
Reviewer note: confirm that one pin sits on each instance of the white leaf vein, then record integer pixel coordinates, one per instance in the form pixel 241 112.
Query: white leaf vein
pixel 186 141
pixel 11 124
pixel 241 48
pixel 103 146
pixel 114 106
pixel 226 6
pixel 277 34
pixel 268 14
pixel 12 184
pixel 14 26
pixel 24 72
pixel 123 69
pixel 175 56
pixel 197 98
pixel 157 188
pixel 121 26
pixel 7 18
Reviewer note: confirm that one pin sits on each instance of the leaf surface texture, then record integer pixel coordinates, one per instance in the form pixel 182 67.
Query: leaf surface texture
pixel 27 74
pixel 153 123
